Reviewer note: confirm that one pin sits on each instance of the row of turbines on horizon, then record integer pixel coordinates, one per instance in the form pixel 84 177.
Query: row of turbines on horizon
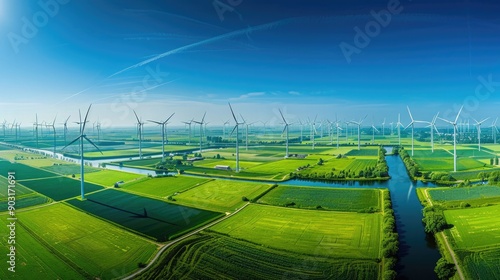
pixel 336 125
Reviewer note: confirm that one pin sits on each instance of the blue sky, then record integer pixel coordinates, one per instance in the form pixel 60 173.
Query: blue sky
pixel 187 57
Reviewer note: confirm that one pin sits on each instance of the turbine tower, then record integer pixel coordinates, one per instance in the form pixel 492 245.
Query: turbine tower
pixel 337 124
pixel 53 125
pixel 81 137
pixel 313 130
pixel 65 129
pixel 478 124
pixel 189 124
pixel 373 133
pixel 201 130
pixel 162 124
pixel 494 130
pixel 285 129
pixel 454 123
pixel 433 127
pixel 140 126
pixel 36 124
pixel 398 126
pixel 236 127
pixel 383 128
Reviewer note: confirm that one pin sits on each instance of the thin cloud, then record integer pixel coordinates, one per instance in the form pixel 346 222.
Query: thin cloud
pixel 296 93
pixel 249 95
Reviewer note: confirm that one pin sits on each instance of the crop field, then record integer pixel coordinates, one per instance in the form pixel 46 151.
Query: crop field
pixel 150 217
pixel 69 169
pixel 150 162
pixel 333 234
pixel 474 195
pixel 24 196
pixel 24 172
pixel 363 152
pixel 344 164
pixel 327 198
pixel 215 256
pixel 211 163
pixel 36 261
pixel 164 186
pixel 109 177
pixel 279 169
pixel 476 236
pixel 79 243
pixel 220 195
pixel 59 188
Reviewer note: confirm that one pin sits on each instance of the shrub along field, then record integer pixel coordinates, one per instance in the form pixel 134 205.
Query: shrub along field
pixel 153 218
pixel 215 256
pixel 221 195
pixel 349 200
pixel 59 241
pixel 334 234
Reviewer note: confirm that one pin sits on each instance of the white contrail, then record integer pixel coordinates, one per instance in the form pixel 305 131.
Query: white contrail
pixel 207 41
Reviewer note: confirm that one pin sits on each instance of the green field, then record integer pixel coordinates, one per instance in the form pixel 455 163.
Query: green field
pixel 475 235
pixel 109 177
pixel 71 238
pixel 68 169
pixel 23 172
pixel 150 217
pixel 215 256
pixel 220 195
pixel 475 195
pixel 164 186
pixel 328 198
pixel 442 160
pixel 334 234
pixel 59 188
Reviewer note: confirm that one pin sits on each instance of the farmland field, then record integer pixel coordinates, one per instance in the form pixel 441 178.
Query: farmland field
pixel 220 195
pixel 335 234
pixel 215 256
pixel 328 198
pixel 109 177
pixel 88 245
pixel 150 217
pixel 24 172
pixel 474 195
pixel 69 169
pixel 279 169
pixel 476 237
pixel 165 186
pixel 24 196
pixel 363 152
pixel 59 188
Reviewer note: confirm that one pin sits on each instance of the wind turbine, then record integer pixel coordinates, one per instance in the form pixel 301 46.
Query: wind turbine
pixel 373 133
pixel 337 124
pixel 285 129
pixel 383 128
pixel 224 128
pixel 36 124
pixel 236 127
pixel 98 127
pixel 313 130
pixel 65 131
pixel 162 124
pixel 494 130
pixel 246 131
pixel 392 128
pixel 139 127
pixel 359 130
pixel 4 124
pixel 433 127
pixel 53 125
pixel 189 124
pixel 454 123
pixel 301 130
pixel 412 124
pixel 398 126
pixel 478 124
pixel 201 130
pixel 81 137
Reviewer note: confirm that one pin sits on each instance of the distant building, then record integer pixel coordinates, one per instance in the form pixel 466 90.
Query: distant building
pixel 194 159
pixel 223 167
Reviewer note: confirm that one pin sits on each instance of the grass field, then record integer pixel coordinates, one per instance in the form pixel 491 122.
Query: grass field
pixel 334 234
pixel 328 198
pixel 215 256
pixel 24 172
pixel 109 177
pixel 164 186
pixel 475 195
pixel 59 188
pixel 88 245
pixel 476 237
pixel 150 217
pixel 279 169
pixel 68 169
pixel 220 195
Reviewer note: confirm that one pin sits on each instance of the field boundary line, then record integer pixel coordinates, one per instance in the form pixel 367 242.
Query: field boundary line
pixel 446 243
pixel 166 246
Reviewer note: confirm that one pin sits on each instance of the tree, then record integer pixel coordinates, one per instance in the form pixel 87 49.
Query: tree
pixel 434 219
pixel 320 161
pixel 444 269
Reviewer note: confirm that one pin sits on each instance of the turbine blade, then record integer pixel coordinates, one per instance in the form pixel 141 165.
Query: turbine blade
pixel 409 112
pixel 450 122
pixel 169 117
pixel 458 115
pixel 92 144
pixel 232 112
pixel 282 116
pixel 70 143
pixel 86 116
pixel 136 116
pixel 232 131
pixel 203 119
pixel 155 122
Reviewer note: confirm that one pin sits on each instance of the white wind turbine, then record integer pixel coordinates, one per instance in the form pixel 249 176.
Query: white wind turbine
pixel 189 124
pixel 494 130
pixel 236 127
pixel 140 126
pixel 359 130
pixel 478 124
pixel 313 130
pixel 398 126
pixel 285 129
pixel 433 127
pixel 373 133
pixel 454 123
pixel 383 128
pixel 412 124
pixel 162 124
pixel 201 130
pixel 337 124
pixel 81 137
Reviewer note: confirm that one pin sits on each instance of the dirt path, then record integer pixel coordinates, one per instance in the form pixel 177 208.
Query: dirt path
pixel 448 247
pixel 162 249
